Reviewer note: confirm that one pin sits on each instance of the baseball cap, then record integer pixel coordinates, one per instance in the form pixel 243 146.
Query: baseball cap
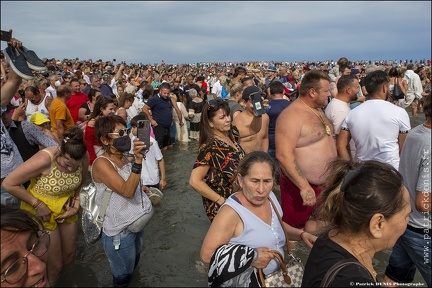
pixel 271 69
pixel 249 90
pixel 38 118
pixel 355 71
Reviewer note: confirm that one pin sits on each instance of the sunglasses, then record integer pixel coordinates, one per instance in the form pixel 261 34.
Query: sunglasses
pixel 122 132
pixel 215 102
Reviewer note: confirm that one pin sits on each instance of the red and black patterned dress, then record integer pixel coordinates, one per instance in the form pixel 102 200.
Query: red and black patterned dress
pixel 223 160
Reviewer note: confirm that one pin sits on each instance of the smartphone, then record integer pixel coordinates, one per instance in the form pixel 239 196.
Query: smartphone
pixel 22 95
pixel 257 103
pixel 5 36
pixel 143 132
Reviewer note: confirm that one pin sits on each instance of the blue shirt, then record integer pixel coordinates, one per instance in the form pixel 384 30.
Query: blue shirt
pixel 276 106
pixel 161 110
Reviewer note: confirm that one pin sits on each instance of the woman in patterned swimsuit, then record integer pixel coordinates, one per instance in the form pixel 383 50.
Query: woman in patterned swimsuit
pixel 213 174
pixel 57 175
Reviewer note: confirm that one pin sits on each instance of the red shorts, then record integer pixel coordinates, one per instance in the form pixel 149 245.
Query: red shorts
pixel 294 213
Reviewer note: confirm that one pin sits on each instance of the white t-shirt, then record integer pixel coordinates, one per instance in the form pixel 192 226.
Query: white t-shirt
pixel 336 111
pixel 113 85
pixel 52 90
pixel 150 166
pixel 135 108
pixel 375 126
pixel 217 89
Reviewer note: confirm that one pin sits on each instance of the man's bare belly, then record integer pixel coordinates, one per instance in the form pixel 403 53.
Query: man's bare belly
pixel 314 158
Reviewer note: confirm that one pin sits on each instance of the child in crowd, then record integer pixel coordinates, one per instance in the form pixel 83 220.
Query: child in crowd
pixel 153 162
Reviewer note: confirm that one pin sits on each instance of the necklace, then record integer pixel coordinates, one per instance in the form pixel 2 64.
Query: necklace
pixel 326 127
pixel 426 125
pixel 364 262
pixel 226 140
pixel 359 256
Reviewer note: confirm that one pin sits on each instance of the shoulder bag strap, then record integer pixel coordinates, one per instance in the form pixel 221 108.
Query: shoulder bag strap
pixel 112 163
pixel 283 228
pixel 104 205
pixel 334 270
pixel 106 197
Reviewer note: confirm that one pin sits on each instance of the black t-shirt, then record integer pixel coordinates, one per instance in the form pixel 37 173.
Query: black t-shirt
pixel 324 254
pixel 186 91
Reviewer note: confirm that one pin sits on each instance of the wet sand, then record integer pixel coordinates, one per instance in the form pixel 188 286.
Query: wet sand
pixel 170 256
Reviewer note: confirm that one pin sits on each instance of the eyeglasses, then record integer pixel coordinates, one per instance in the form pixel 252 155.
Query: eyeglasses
pixel 122 132
pixel 16 271
pixel 215 102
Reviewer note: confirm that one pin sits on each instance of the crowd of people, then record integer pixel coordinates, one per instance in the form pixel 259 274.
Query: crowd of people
pixel 334 143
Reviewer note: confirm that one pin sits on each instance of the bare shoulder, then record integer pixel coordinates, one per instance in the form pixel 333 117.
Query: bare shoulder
pixel 292 114
pixel 228 215
pixel 42 159
pixel 238 119
pixel 102 168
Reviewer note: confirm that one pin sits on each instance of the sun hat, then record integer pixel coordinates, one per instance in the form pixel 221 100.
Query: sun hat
pixel 38 118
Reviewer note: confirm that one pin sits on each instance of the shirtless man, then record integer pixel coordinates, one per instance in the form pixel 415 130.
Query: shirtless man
pixel 253 129
pixel 304 147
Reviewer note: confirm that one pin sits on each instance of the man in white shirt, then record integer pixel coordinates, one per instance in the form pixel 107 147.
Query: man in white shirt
pixel 415 89
pixel 217 88
pixel 378 127
pixel 52 88
pixel 338 108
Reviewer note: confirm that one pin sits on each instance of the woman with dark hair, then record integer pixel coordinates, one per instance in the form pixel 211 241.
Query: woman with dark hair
pixel 57 175
pixel 366 209
pixel 218 156
pixel 396 76
pixel 127 203
pixel 249 218
pixel 20 267
pixel 124 102
pixel 115 99
pixel 86 109
pixel 103 106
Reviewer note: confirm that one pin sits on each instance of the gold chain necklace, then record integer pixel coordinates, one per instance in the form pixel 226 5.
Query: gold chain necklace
pixel 359 256
pixel 364 262
pixel 326 127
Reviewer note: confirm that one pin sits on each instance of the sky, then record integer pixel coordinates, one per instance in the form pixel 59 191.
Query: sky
pixel 221 31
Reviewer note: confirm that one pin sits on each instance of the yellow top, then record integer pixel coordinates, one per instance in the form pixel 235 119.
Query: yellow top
pixel 54 190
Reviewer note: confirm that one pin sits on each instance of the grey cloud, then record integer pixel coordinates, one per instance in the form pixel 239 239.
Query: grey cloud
pixel 188 32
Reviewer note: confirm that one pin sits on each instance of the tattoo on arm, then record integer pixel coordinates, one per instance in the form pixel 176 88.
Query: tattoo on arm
pixel 299 172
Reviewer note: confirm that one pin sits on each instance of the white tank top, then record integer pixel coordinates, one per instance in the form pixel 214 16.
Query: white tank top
pixel 33 108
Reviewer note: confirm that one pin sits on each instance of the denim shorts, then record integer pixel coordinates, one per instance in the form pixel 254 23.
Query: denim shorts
pixel 125 258
pixel 8 199
pixel 412 251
